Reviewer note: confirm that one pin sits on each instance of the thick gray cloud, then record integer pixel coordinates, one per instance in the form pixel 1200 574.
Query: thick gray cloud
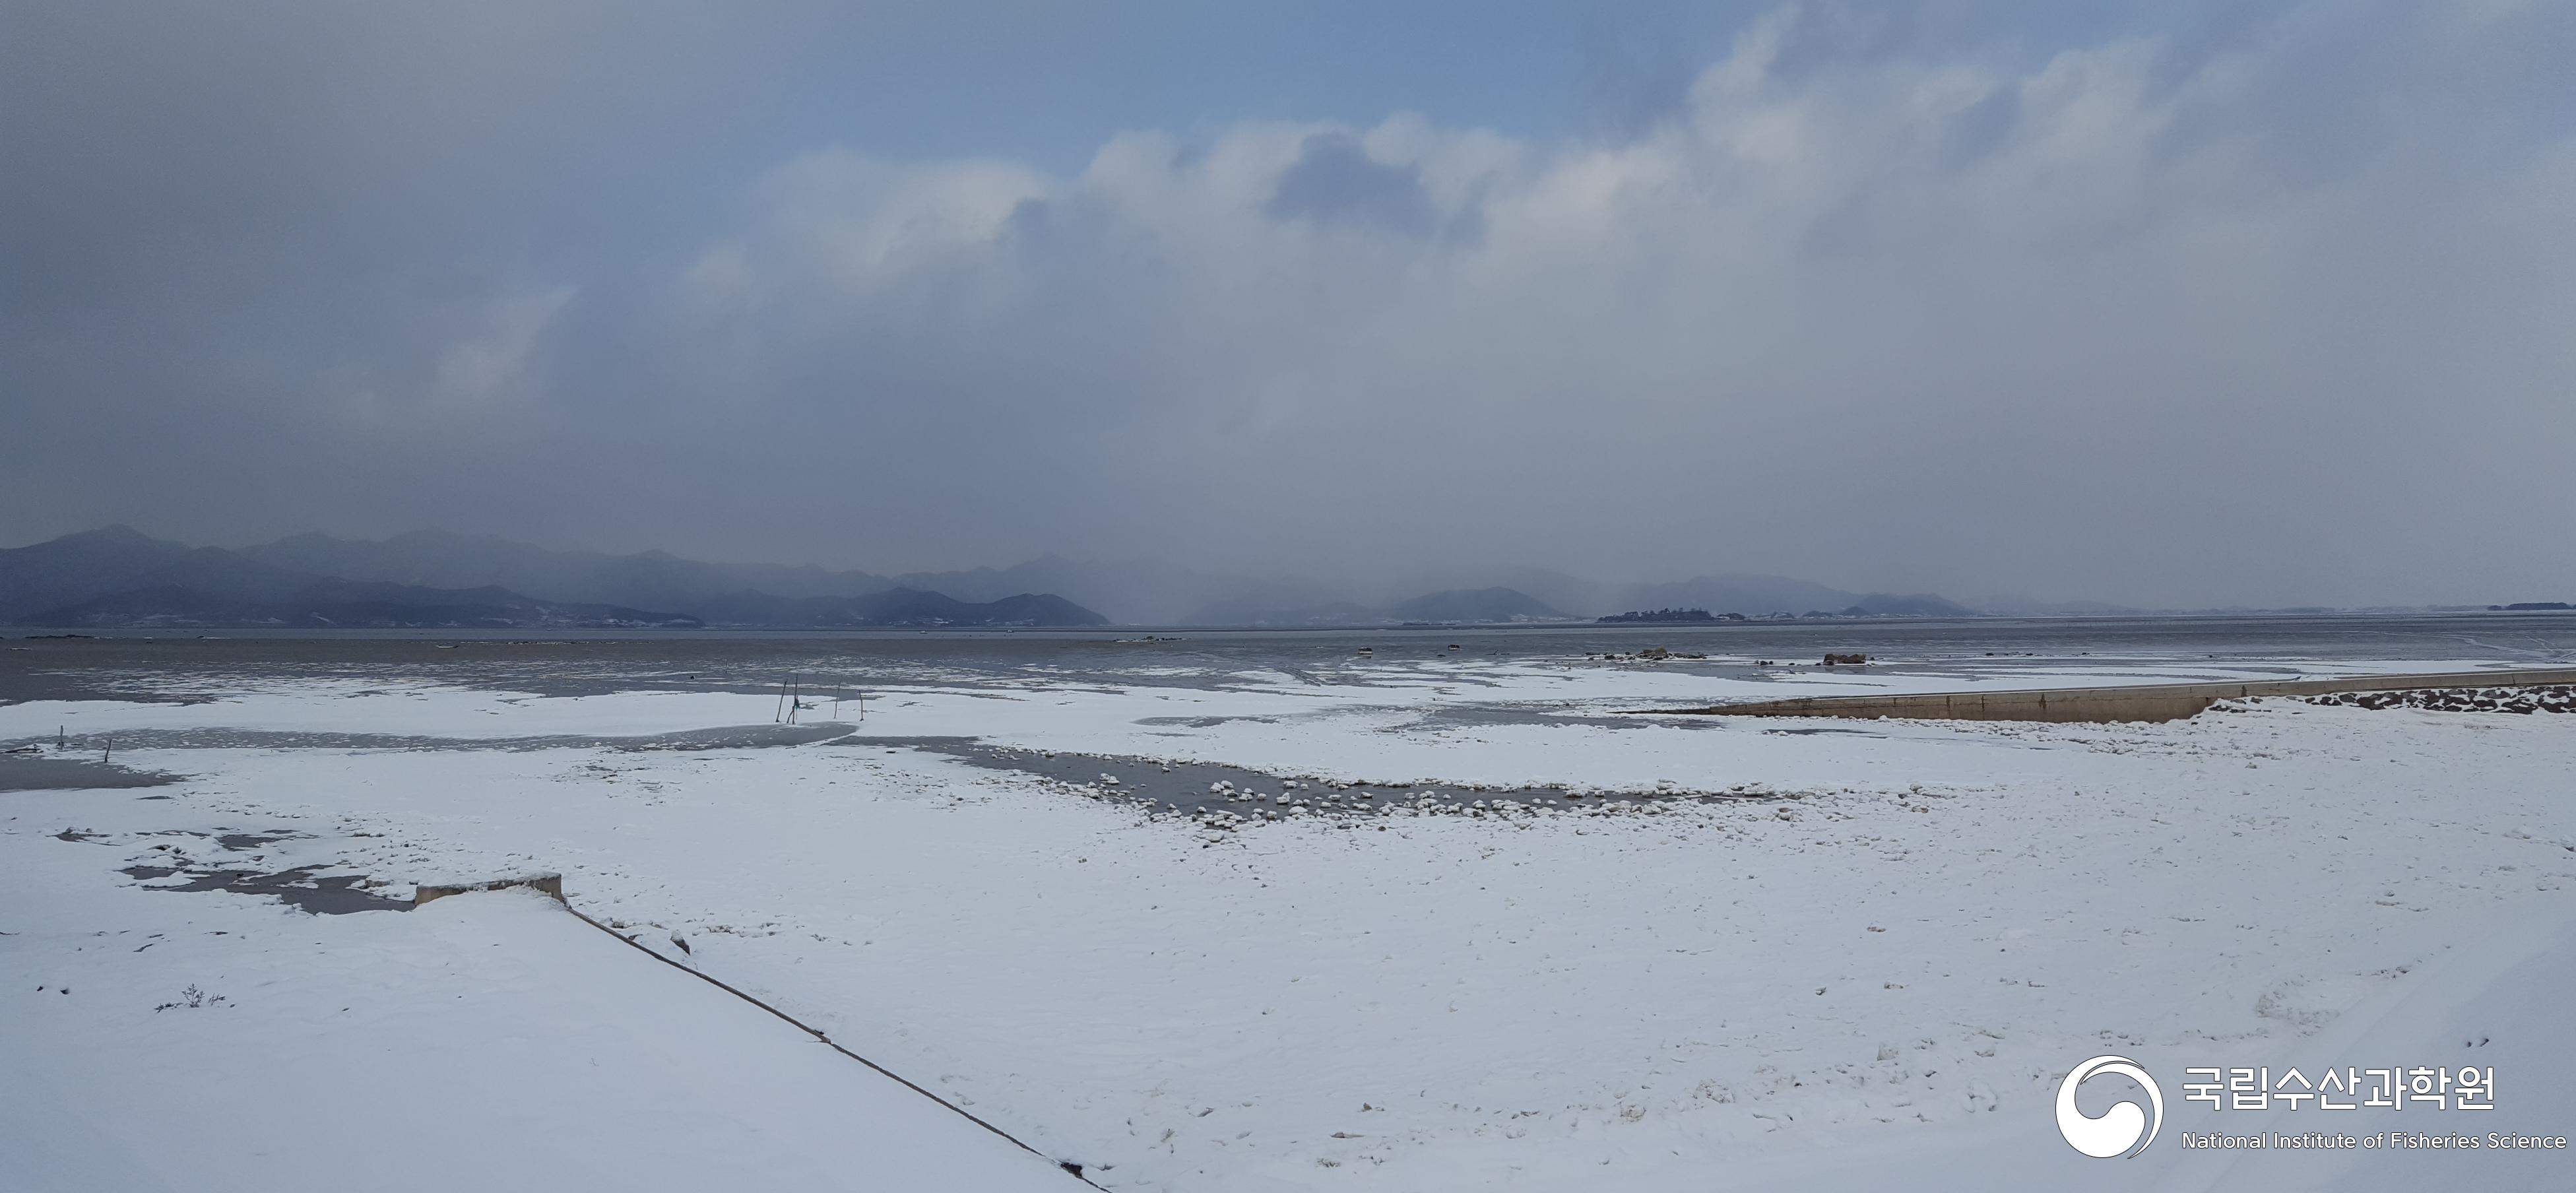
pixel 2271 311
pixel 1334 178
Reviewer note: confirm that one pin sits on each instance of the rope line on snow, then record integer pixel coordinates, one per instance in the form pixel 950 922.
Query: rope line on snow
pixel 1071 1169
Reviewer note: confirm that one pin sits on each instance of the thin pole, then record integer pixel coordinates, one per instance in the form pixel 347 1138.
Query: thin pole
pixel 1071 1169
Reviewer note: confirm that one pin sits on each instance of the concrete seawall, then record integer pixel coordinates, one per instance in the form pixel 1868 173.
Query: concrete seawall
pixel 2139 702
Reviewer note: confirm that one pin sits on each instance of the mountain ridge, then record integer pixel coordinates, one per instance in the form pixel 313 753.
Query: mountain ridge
pixel 117 576
pixel 442 568
pixel 1129 592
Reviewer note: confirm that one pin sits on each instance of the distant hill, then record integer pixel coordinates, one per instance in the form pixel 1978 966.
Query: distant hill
pixel 1756 596
pixel 347 604
pixel 118 577
pixel 1751 595
pixel 896 607
pixel 65 575
pixel 1666 617
pixel 1464 606
pixel 77 567
pixel 2016 605
pixel 438 559
pixel 1920 604
pixel 1253 612
pixel 1137 592
pixel 1133 592
pixel 1474 605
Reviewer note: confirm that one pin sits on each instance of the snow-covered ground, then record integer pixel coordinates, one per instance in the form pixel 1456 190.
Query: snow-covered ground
pixel 1869 970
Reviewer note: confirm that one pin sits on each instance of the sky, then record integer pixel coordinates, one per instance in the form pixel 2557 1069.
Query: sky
pixel 2166 304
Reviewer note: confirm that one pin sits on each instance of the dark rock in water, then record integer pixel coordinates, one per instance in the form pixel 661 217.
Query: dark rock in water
pixel 1651 654
pixel 1845 660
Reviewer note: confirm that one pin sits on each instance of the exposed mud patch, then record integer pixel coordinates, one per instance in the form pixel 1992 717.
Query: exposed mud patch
pixel 25 772
pixel 305 888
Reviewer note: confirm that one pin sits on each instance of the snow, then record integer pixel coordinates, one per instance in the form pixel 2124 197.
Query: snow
pixel 485 1041
pixel 1872 974
pixel 409 708
pixel 429 710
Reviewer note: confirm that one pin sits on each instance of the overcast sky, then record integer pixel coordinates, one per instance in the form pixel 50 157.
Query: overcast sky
pixel 2167 303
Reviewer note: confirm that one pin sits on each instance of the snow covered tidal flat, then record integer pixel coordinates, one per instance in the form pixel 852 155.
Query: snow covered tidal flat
pixel 1786 955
